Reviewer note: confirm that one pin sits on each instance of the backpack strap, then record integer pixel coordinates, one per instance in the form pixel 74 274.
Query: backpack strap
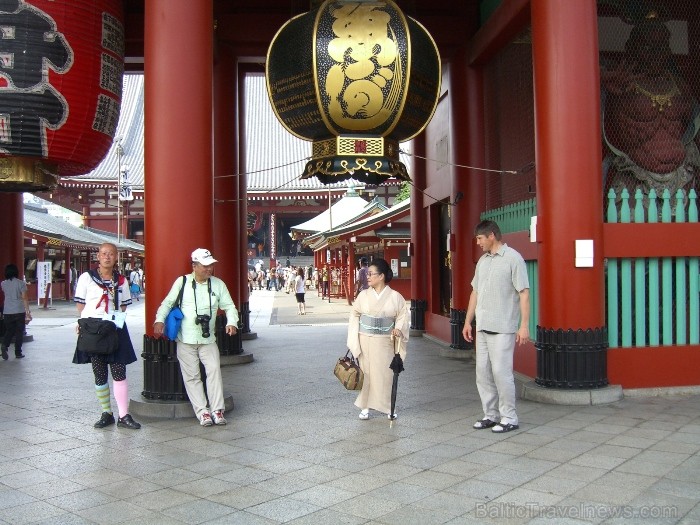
pixel 182 291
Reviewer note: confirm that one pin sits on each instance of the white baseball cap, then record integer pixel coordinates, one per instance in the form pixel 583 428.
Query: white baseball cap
pixel 203 257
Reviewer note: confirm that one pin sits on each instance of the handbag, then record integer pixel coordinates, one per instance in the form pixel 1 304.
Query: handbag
pixel 134 288
pixel 96 336
pixel 173 320
pixel 348 371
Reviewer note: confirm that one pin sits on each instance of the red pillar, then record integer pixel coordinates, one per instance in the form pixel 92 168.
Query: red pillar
pixel 474 196
pixel 568 157
pixel 178 140
pixel 460 216
pixel 12 220
pixel 227 233
pixel 351 272
pixel 419 260
pixel 243 211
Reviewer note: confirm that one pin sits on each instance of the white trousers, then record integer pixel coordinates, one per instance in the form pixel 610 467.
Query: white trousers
pixel 494 376
pixel 189 357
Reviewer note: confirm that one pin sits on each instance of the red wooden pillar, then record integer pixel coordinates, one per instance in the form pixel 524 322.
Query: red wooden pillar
pixel 419 260
pixel 243 209
pixel 569 182
pixel 351 272
pixel 12 220
pixel 460 216
pixel 178 140
pixel 226 246
pixel 67 253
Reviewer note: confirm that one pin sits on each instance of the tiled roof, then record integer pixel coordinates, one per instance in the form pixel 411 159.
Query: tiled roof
pixel 38 221
pixel 347 209
pixel 130 128
pixel 373 222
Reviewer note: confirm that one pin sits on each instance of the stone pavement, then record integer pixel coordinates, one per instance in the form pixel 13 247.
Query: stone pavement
pixel 295 452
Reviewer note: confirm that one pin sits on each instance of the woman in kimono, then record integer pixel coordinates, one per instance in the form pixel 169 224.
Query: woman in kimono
pixel 378 316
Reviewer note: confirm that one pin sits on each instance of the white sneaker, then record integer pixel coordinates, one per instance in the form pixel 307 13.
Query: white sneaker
pixel 205 419
pixel 364 414
pixel 218 416
pixel 392 416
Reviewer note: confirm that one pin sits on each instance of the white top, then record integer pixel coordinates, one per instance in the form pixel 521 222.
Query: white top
pixel 300 283
pixel 94 297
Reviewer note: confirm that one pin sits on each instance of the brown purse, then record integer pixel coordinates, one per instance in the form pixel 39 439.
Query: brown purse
pixel 348 372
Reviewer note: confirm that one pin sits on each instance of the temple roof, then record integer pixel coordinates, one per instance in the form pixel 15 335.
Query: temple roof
pixel 130 129
pixel 350 208
pixel 38 221
pixel 378 223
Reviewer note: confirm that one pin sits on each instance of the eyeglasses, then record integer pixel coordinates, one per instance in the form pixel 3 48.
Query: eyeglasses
pixel 370 274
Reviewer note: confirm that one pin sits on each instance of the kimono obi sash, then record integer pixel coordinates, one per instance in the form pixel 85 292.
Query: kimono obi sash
pixel 375 325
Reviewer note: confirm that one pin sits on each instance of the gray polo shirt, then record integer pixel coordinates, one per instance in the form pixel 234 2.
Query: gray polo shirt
pixel 13 290
pixel 498 280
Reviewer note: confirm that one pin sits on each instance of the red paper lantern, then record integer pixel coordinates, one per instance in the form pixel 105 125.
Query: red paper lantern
pixel 61 66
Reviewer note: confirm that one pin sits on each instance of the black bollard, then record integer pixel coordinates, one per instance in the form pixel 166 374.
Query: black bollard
pixel 228 344
pixel 162 379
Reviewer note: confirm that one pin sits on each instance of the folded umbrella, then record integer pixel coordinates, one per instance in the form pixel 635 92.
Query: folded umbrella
pixel 397 366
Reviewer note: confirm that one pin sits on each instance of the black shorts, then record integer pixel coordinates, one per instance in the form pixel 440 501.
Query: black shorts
pixel 300 298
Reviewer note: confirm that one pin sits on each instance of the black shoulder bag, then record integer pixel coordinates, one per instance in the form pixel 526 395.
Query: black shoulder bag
pixel 97 336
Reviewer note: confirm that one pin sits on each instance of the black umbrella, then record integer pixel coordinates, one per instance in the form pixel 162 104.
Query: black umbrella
pixel 397 366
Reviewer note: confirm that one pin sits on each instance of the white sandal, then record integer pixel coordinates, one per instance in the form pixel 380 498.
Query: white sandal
pixel 364 414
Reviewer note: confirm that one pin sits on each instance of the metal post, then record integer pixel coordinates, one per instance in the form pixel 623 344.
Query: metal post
pixel 120 153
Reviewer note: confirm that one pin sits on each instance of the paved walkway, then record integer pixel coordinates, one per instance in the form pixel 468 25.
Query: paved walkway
pixel 295 451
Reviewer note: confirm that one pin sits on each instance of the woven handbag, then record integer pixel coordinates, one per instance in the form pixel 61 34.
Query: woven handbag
pixel 349 373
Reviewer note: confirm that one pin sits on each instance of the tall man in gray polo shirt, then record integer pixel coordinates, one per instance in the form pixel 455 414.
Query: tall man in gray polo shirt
pixel 500 299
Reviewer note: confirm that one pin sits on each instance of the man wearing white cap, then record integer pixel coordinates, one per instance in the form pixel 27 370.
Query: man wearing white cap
pixel 203 294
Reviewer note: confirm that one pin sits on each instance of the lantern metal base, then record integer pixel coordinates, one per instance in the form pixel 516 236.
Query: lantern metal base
pixel 370 170
pixel 27 174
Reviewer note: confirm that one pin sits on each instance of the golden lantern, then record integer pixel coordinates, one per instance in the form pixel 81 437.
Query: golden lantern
pixel 356 78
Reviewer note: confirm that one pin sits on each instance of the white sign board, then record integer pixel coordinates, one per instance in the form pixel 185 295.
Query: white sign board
pixel 395 267
pixel 43 280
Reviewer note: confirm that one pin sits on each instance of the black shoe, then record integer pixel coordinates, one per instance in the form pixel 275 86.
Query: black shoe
pixel 128 422
pixel 106 420
pixel 4 354
pixel 19 356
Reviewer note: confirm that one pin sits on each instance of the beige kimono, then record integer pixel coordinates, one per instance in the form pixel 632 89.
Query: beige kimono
pixel 375 351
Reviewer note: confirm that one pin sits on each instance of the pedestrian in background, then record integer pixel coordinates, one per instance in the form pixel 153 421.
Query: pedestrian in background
pixel 15 311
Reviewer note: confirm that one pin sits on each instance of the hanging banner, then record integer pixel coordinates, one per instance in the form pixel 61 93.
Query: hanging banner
pixel 125 187
pixel 273 236
pixel 43 280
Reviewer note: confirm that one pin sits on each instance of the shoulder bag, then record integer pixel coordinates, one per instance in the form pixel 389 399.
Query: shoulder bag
pixel 174 319
pixel 349 373
pixel 96 336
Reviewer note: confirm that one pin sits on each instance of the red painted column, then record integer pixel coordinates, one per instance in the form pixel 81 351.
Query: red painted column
pixel 568 156
pixel 569 182
pixel 351 272
pixel 460 217
pixel 227 233
pixel 243 210
pixel 474 196
pixel 178 140
pixel 419 260
pixel 459 132
pixel 12 220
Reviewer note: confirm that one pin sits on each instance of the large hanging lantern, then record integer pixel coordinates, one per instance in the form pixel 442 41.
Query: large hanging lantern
pixel 356 78
pixel 61 66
